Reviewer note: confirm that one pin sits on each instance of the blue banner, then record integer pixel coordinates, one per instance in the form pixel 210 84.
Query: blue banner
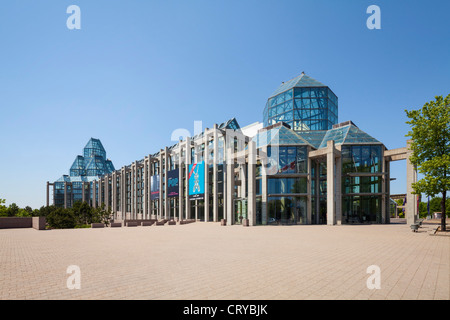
pixel 173 183
pixel 196 181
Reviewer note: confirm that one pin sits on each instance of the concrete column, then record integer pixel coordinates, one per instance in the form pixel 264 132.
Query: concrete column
pixel 230 185
pixel 251 198
pixel 264 197
pixel 48 194
pixel 160 198
pixel 145 184
pixel 207 161
pixel 338 187
pixel 166 199
pixel 187 163
pixel 384 199
pixel 331 205
pixel 65 194
pixel 317 192
pixel 215 174
pixel 411 177
pixel 388 192
pixel 180 184
pixel 100 191
pixel 196 209
pixel 113 194
pixel 309 207
pixel 123 191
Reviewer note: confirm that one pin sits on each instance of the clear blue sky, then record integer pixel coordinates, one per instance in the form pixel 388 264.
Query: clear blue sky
pixel 137 70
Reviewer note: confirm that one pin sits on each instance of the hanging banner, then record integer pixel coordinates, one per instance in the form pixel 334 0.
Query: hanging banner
pixel 173 183
pixel 196 181
pixel 154 187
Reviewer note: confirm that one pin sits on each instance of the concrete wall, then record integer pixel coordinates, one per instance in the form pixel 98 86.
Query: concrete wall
pixel 37 223
pixel 15 222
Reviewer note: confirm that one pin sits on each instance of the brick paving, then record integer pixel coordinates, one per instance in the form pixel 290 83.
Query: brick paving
pixel 206 261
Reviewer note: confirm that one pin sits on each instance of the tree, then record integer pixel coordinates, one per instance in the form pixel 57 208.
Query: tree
pixel 60 218
pixel 430 132
pixel 12 210
pixel 3 212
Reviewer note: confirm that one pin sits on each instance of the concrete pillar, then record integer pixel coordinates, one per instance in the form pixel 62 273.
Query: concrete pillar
pixel 338 188
pixel 207 161
pixel 94 194
pixel 160 198
pixel 215 175
pixel 100 191
pixel 331 205
pixel 317 192
pixel 65 194
pixel 180 184
pixel 309 207
pixel 123 191
pixel 264 197
pixel 384 198
pixel 411 177
pixel 251 198
pixel 187 163
pixel 388 192
pixel 113 194
pixel 48 194
pixel 230 184
pixel 166 199
pixel 145 184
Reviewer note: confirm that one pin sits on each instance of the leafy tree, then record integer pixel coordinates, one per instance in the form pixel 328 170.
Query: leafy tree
pixel 61 218
pixel 23 213
pixel 423 211
pixel 3 209
pixel 12 210
pixel 430 132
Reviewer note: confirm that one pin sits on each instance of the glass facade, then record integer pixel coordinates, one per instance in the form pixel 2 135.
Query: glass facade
pixel 286 210
pixel 87 168
pixel 287 159
pixel 303 109
pixel 361 183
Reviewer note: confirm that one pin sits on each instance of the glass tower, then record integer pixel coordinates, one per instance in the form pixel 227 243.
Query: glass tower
pixel 304 103
pixel 86 168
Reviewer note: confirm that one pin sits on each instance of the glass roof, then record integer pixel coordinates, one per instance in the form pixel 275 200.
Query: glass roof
pixel 279 135
pixel 301 81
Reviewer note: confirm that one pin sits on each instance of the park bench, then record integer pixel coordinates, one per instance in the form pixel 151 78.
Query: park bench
pixel 97 225
pixel 115 224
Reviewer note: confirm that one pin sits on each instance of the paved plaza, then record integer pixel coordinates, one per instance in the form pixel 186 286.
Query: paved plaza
pixel 207 261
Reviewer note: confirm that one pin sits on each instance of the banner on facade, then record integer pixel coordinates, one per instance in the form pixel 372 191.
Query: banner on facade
pixel 173 183
pixel 154 187
pixel 196 181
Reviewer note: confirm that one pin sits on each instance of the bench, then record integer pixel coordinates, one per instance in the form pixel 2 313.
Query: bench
pixel 161 223
pixel 97 225
pixel 132 224
pixel 147 223
pixel 115 224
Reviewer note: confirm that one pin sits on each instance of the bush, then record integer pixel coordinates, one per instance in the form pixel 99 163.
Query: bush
pixel 61 218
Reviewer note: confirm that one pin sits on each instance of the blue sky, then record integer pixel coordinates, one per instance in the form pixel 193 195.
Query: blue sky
pixel 137 70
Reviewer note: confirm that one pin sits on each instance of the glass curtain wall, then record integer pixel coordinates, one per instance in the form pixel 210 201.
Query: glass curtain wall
pixel 361 183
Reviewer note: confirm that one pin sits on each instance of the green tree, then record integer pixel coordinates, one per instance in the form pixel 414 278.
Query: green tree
pixel 423 212
pixel 3 209
pixel 12 210
pixel 430 132
pixel 61 218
